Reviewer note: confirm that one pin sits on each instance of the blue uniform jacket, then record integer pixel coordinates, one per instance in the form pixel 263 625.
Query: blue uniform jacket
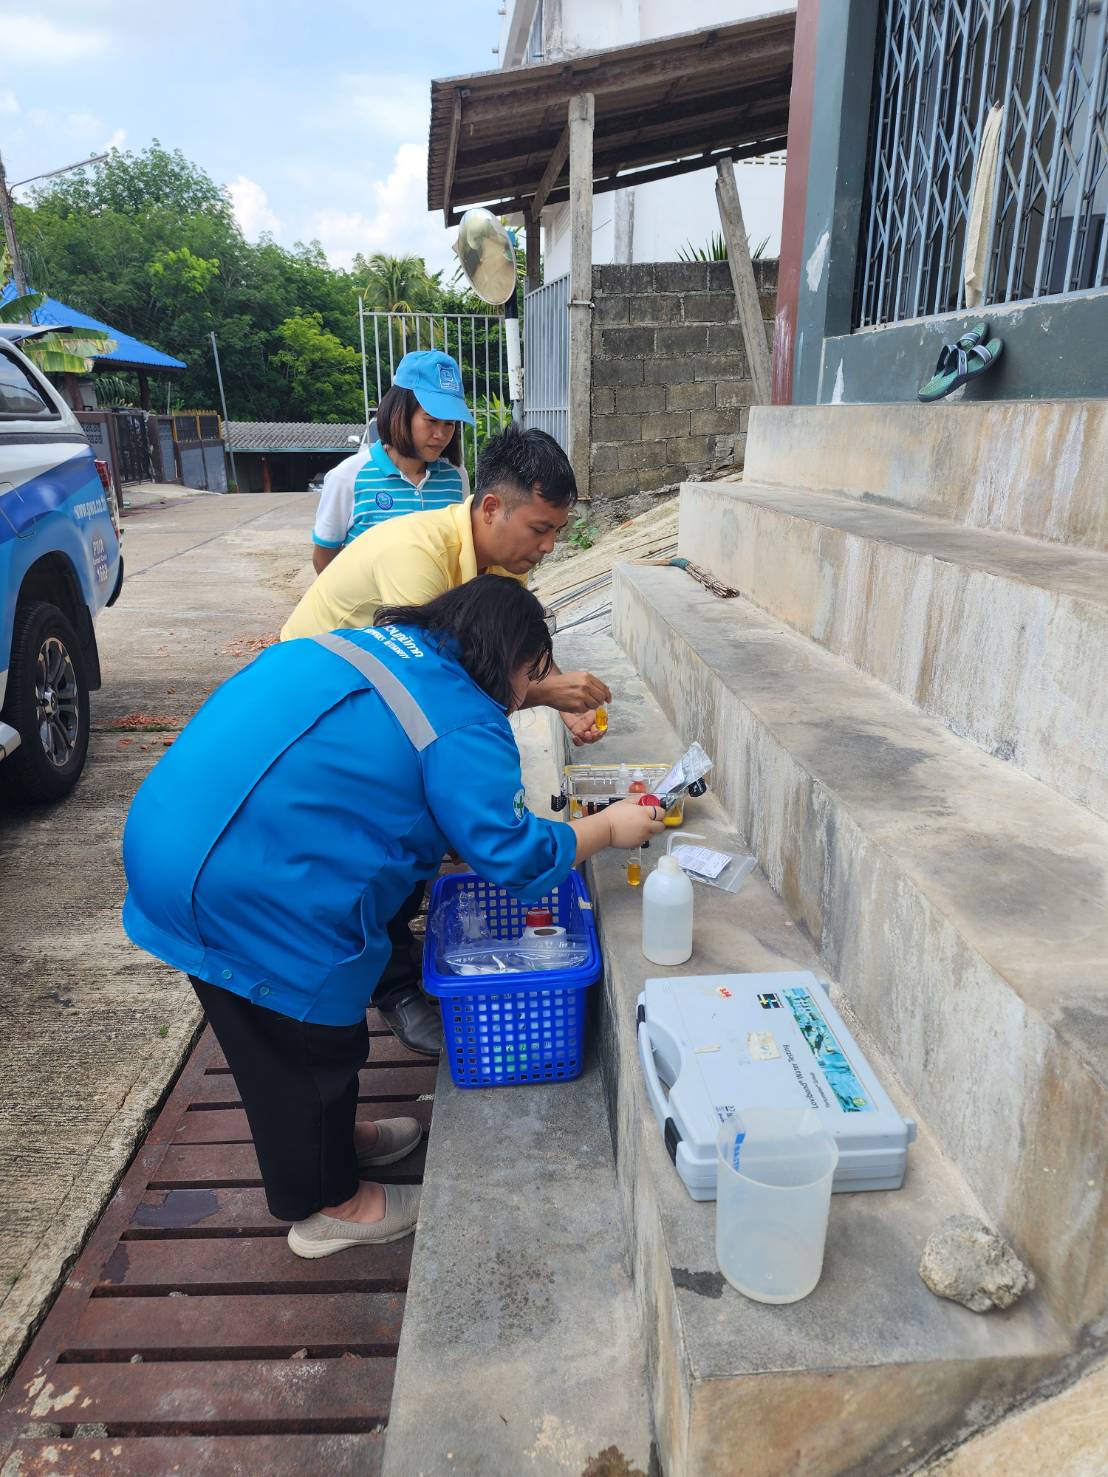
pixel 270 846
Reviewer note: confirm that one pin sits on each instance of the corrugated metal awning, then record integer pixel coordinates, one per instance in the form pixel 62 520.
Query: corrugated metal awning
pixel 663 107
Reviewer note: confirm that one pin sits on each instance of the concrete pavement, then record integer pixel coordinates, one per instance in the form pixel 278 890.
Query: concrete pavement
pixel 93 1030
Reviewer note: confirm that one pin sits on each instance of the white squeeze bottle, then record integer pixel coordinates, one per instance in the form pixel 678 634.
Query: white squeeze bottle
pixel 667 909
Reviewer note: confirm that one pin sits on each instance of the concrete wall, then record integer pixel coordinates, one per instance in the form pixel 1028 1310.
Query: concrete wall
pixel 670 383
pixel 651 223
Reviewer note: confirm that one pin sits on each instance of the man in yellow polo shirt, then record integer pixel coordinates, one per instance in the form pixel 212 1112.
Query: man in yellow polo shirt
pixel 525 490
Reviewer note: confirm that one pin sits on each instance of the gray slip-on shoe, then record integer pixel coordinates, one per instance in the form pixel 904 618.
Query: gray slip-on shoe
pixel 398 1137
pixel 320 1234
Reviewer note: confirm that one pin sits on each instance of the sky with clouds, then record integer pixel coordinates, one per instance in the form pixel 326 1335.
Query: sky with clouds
pixel 314 115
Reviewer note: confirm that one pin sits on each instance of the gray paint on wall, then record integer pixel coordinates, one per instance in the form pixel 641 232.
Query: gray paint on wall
pixel 836 178
pixel 1053 349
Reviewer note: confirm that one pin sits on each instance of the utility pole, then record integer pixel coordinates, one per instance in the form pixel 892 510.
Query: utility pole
pixel 18 273
pixel 223 402
pixel 9 234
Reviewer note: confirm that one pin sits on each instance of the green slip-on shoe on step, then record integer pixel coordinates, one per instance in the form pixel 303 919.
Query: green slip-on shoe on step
pixel 966 365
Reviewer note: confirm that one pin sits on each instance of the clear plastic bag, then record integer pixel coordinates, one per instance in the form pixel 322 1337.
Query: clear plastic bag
pixel 727 876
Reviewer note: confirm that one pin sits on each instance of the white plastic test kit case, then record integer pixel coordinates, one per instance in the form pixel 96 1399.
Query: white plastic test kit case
pixel 712 1044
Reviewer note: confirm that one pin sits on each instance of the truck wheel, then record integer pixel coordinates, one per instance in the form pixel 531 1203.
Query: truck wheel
pixel 47 703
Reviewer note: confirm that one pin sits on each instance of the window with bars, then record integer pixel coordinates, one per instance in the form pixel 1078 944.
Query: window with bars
pixel 941 67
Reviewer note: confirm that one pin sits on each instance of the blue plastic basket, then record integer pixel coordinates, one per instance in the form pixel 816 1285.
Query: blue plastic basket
pixel 500 1029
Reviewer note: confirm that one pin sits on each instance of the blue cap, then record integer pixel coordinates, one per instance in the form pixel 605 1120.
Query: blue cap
pixel 436 381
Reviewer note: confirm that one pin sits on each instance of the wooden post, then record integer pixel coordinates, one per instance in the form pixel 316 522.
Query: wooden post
pixel 144 389
pixel 742 276
pixel 533 243
pixel 581 116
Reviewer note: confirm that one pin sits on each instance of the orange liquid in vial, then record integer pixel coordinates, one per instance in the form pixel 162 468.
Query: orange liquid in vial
pixel 634 874
pixel 601 720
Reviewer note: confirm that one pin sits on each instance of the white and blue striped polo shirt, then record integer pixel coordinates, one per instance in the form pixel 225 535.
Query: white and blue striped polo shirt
pixel 381 491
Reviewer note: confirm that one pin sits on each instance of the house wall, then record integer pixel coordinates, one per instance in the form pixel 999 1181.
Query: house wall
pixel 671 388
pixel 646 223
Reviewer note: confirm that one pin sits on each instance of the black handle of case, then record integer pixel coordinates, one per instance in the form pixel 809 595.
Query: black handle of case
pixel 640 1015
pixel 558 802
pixel 672 1136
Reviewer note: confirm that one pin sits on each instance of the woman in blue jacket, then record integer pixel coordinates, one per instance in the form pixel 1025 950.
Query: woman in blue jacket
pixel 267 851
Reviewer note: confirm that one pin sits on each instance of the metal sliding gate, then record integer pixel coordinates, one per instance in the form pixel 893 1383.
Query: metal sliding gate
pixel 546 360
pixel 941 67
pixel 476 341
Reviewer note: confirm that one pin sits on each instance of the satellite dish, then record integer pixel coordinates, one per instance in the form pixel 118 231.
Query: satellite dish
pixel 486 250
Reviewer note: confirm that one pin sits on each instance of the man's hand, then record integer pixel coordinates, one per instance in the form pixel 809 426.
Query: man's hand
pixel 569 692
pixel 582 727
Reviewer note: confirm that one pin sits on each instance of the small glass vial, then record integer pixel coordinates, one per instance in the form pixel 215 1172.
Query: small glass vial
pixel 601 719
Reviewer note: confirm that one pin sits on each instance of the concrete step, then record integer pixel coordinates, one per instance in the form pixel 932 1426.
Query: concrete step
pixel 868 1374
pixel 962 905
pixel 1004 638
pixel 1028 466
pixel 522 1346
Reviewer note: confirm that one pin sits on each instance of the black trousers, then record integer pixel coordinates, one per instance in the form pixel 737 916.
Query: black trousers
pixel 299 1085
pixel 405 968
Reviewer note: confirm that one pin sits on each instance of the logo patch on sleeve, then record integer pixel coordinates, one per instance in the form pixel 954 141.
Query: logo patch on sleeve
pixel 519 804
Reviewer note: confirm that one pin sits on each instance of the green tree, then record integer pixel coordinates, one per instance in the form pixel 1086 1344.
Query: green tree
pixel 324 375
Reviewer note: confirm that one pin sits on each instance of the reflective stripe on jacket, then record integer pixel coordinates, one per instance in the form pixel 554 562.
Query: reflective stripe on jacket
pixel 270 846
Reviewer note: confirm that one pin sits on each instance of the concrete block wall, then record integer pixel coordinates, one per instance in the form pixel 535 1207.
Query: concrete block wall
pixel 671 389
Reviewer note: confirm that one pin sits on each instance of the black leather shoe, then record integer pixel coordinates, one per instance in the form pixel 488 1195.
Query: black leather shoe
pixel 413 1020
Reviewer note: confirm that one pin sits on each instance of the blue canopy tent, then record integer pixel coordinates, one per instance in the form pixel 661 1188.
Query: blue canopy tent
pixel 129 353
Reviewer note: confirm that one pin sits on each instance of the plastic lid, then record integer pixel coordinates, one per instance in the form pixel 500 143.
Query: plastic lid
pixel 538 918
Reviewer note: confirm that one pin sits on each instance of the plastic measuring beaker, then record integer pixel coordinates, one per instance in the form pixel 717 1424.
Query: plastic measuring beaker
pixel 773 1191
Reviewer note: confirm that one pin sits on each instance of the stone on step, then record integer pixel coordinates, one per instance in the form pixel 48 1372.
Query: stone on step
pixel 966 1261
pixel 1028 466
pixel 1002 637
pixel 962 905
pixel 870 1371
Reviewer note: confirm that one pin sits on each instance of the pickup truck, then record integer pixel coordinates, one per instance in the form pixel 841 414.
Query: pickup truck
pixel 60 564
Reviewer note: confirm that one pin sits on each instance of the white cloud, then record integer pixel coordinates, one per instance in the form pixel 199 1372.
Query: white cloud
pixel 9 103
pixel 396 221
pixel 116 141
pixel 251 207
pixel 34 38
pixel 376 106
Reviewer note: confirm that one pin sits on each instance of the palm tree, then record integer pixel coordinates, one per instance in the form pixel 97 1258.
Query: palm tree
pixel 396 284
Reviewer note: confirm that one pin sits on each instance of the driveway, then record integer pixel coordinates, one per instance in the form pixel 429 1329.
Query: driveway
pixel 93 1031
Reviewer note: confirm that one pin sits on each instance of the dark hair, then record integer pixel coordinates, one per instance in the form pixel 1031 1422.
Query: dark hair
pixel 517 463
pixel 394 424
pixel 491 624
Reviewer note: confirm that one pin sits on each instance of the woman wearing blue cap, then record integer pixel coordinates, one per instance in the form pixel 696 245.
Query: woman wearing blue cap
pixel 415 465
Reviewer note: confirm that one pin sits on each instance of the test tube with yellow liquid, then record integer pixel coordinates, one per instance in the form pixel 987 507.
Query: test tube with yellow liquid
pixel 601 719
pixel 634 870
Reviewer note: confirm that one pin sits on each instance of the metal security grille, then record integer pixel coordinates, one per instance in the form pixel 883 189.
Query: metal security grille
pixel 546 362
pixel 941 65
pixel 475 340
